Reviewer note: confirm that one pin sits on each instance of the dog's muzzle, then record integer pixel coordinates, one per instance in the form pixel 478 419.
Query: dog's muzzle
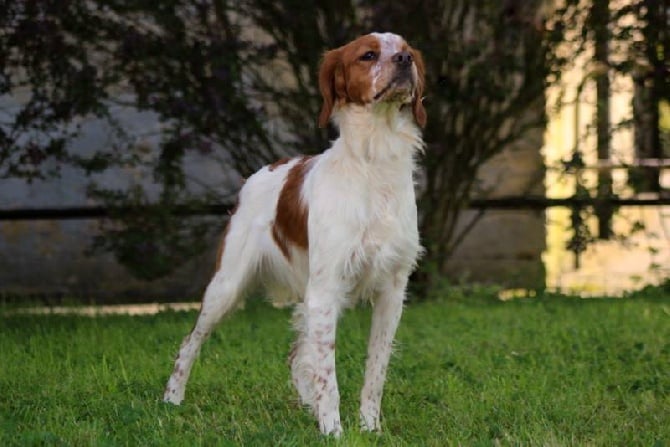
pixel 401 86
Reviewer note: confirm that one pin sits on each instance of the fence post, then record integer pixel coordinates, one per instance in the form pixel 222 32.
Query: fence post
pixel 600 16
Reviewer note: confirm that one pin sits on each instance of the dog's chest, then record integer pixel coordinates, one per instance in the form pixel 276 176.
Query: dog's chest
pixel 362 220
pixel 388 238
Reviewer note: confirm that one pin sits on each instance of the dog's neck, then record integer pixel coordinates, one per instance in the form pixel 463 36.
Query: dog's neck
pixel 378 133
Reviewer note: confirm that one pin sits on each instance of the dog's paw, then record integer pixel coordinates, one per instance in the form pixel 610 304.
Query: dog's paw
pixel 370 422
pixel 331 427
pixel 173 396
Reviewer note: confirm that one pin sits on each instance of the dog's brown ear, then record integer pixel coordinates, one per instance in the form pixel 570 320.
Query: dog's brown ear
pixel 331 69
pixel 418 110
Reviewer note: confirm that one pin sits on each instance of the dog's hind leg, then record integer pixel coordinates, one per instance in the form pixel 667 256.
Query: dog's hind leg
pixel 238 263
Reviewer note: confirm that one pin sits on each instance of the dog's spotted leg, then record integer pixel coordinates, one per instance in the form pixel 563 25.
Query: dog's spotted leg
pixel 321 314
pixel 302 371
pixel 220 298
pixel 385 318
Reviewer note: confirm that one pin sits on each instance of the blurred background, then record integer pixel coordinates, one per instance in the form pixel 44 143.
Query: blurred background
pixel 127 127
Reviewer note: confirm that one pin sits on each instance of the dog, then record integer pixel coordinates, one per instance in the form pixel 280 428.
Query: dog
pixel 331 229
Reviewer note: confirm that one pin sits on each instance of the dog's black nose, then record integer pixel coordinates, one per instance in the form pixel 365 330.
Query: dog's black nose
pixel 403 58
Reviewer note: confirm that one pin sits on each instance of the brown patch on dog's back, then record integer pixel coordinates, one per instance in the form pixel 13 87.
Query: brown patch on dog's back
pixel 290 225
pixel 278 163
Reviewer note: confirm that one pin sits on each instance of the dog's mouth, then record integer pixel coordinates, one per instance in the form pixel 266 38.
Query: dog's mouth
pixel 400 88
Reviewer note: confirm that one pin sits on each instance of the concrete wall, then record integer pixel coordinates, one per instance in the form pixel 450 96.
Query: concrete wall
pixel 49 259
pixel 52 258
pixel 506 246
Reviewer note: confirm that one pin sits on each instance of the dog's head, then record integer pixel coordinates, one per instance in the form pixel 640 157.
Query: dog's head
pixel 371 69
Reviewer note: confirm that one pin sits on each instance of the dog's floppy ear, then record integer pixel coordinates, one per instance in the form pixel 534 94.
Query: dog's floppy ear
pixel 330 76
pixel 418 110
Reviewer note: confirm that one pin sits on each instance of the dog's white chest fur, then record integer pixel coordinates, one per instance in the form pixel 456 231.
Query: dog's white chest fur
pixel 365 199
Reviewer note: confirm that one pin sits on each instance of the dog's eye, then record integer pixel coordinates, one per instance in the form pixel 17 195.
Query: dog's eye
pixel 368 56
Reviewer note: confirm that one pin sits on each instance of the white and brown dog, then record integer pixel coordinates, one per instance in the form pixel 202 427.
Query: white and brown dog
pixel 332 228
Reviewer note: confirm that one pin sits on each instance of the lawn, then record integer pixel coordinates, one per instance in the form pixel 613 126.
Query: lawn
pixel 468 371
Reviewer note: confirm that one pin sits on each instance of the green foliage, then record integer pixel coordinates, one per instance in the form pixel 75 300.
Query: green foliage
pixel 75 59
pixel 660 291
pixel 236 82
pixel 217 72
pixel 547 371
pixel 487 65
pixel 634 41
pixel 67 61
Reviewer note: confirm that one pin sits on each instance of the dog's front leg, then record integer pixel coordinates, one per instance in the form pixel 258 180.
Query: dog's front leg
pixel 321 311
pixel 385 318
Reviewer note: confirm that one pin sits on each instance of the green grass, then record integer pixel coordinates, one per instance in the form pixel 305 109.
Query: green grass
pixel 546 371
